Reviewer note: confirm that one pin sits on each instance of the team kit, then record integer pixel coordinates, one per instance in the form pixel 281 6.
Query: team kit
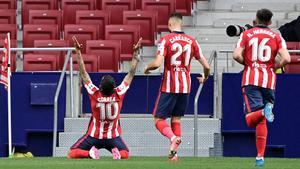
pixel 256 49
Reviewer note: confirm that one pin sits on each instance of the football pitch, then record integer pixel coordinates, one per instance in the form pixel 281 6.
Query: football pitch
pixel 145 163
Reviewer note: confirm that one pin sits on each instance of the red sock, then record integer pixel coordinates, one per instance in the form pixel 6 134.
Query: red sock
pixel 163 127
pixel 254 118
pixel 78 153
pixel 261 133
pixel 176 128
pixel 124 154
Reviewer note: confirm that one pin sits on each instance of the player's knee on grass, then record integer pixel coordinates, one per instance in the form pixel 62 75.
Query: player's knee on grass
pixel 124 154
pixel 78 153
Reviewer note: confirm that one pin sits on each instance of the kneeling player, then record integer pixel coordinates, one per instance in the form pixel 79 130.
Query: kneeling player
pixel 106 102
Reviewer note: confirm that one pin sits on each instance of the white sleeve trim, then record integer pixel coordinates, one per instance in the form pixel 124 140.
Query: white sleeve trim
pixel 91 88
pixel 122 88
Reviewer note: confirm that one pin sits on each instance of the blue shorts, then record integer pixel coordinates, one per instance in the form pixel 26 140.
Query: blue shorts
pixel 171 104
pixel 255 98
pixel 87 142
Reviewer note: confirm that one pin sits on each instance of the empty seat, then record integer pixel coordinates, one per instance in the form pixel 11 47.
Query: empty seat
pixel 13 44
pixel 164 9
pixel 8 4
pixel 70 7
pixel 7 16
pixel 82 32
pixel 90 62
pixel 38 32
pixel 51 44
pixel 116 9
pixel 100 18
pixel 147 22
pixel 39 62
pixel 184 7
pixel 128 34
pixel 108 53
pixel 36 5
pixel 5 28
pixel 43 17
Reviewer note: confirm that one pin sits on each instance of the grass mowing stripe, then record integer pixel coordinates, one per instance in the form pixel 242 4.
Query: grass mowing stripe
pixel 146 163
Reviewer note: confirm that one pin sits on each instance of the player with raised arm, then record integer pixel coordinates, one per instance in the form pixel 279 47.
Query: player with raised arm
pixel 256 50
pixel 104 130
pixel 176 49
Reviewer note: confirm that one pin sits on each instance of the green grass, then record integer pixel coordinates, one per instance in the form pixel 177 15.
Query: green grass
pixel 145 163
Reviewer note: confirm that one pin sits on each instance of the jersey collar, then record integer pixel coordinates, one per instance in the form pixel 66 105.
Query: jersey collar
pixel 261 26
pixel 178 32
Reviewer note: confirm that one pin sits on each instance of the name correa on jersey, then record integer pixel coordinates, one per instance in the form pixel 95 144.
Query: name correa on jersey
pixel 178 50
pixel 261 46
pixel 104 123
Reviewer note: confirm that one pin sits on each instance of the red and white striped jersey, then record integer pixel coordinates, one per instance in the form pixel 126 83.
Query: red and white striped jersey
pixel 178 50
pixel 261 46
pixel 104 123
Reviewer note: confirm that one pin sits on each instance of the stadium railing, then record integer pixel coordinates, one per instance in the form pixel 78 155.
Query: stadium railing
pixel 62 75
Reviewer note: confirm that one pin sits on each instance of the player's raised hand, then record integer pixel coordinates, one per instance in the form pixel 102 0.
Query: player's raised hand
pixel 77 45
pixel 138 45
pixel 136 49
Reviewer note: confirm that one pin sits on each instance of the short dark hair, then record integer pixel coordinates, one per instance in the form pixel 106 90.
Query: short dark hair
pixel 107 85
pixel 176 15
pixel 264 16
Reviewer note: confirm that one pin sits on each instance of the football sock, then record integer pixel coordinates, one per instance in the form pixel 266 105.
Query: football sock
pixel 261 133
pixel 176 128
pixel 124 154
pixel 254 118
pixel 78 153
pixel 163 127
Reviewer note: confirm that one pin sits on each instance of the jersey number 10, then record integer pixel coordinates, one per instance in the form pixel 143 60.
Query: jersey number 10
pixel 261 51
pixel 106 111
pixel 176 47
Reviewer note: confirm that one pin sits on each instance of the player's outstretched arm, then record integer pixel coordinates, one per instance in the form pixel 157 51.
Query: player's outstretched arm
pixel 284 60
pixel 155 64
pixel 134 62
pixel 83 74
pixel 206 69
pixel 238 55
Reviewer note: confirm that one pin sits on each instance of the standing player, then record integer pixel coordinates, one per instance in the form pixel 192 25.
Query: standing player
pixel 104 130
pixel 176 49
pixel 257 49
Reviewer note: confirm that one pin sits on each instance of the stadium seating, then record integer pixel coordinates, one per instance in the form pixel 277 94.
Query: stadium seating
pixel 100 18
pixel 82 32
pixel 128 34
pixel 164 9
pixel 46 17
pixel 36 5
pixel 40 62
pixel 294 66
pixel 8 4
pixel 70 7
pixel 108 53
pixel 5 28
pixel 147 20
pixel 116 8
pixel 184 7
pixel 50 44
pixel 38 32
pixel 7 16
pixel 13 44
pixel 90 62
